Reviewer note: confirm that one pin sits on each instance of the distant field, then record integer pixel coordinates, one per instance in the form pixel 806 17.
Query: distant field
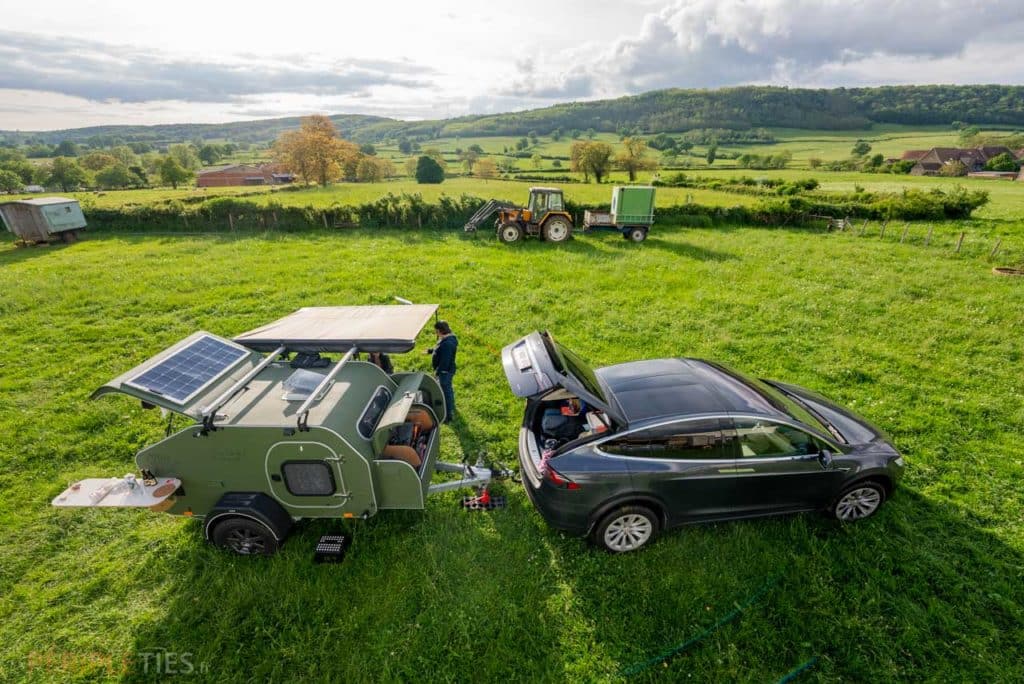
pixel 923 343
pixel 358 193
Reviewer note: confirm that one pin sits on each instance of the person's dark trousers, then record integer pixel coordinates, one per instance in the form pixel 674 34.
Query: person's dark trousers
pixel 449 392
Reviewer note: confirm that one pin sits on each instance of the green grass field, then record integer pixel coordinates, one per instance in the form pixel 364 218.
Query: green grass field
pixel 922 342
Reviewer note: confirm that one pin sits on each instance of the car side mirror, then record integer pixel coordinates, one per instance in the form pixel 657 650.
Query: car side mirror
pixel 825 457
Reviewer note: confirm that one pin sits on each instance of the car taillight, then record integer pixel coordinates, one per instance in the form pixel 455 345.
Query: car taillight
pixel 555 478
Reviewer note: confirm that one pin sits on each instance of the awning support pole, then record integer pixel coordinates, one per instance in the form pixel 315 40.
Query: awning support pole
pixel 210 412
pixel 303 413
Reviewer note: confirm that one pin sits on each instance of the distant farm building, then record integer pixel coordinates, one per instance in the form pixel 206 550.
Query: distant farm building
pixel 974 158
pixel 913 155
pixel 242 174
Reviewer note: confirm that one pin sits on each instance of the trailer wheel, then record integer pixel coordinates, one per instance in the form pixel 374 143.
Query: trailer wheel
pixel 557 229
pixel 510 232
pixel 635 234
pixel 245 536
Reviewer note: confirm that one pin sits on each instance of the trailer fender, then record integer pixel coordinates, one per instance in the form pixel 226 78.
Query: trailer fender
pixel 252 505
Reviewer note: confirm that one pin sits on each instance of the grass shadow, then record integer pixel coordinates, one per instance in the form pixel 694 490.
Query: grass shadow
pixel 919 592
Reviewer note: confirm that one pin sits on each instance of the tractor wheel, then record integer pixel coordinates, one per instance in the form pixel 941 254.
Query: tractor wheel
pixel 510 232
pixel 557 229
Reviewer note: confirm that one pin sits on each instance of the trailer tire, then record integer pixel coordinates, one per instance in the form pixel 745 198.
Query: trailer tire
pixel 244 536
pixel 635 234
pixel 510 233
pixel 557 229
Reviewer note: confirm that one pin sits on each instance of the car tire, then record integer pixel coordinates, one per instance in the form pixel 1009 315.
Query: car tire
pixel 557 229
pixel 509 233
pixel 626 529
pixel 245 537
pixel 858 501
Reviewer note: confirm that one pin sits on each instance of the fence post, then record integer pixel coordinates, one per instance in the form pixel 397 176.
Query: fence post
pixel 864 226
pixel 324 217
pixel 995 250
pixel 906 227
pixel 928 238
pixel 960 242
pixel 885 224
pixel 231 221
pixel 419 221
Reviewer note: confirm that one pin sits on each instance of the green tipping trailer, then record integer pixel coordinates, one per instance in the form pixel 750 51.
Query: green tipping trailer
pixel 632 213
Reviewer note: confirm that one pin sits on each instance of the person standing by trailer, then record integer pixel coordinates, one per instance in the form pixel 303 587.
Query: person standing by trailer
pixel 443 360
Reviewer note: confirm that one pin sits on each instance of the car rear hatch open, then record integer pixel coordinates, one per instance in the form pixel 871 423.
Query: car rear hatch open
pixel 536 364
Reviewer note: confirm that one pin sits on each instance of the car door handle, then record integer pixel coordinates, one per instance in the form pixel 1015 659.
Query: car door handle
pixel 733 471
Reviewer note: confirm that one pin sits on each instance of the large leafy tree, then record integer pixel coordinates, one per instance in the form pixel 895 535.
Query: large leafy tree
pixel 173 173
pixel 186 156
pixel 633 157
pixel 10 181
pixel 428 170
pixel 315 153
pixel 591 158
pixel 67 173
pixel 114 176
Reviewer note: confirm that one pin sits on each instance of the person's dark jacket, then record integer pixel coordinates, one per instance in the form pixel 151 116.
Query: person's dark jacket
pixel 444 354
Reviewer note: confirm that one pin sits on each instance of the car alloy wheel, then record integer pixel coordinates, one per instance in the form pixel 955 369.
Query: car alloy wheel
pixel 858 503
pixel 627 531
pixel 245 537
pixel 245 542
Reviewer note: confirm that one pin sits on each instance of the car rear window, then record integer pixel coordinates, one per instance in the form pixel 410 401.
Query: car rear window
pixel 570 363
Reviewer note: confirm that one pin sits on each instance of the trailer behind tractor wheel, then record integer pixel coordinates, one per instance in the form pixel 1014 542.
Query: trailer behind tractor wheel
pixel 632 213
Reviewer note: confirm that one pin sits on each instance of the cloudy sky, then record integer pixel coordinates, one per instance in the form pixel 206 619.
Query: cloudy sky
pixel 105 62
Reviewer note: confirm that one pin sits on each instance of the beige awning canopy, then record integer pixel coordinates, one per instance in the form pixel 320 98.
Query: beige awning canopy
pixel 388 328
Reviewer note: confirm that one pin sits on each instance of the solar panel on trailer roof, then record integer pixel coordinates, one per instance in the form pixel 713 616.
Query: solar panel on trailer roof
pixel 182 375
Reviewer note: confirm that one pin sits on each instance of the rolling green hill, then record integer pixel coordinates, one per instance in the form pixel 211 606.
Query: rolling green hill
pixel 663 110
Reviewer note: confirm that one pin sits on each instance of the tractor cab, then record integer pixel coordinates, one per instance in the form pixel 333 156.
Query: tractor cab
pixel 542 201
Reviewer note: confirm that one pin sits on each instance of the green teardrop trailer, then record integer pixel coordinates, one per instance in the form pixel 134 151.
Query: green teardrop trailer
pixel 271 443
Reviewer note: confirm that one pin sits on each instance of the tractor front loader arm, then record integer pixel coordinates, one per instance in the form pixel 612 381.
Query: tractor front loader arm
pixel 486 210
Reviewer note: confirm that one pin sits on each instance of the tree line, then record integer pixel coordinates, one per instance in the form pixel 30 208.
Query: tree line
pixel 744 108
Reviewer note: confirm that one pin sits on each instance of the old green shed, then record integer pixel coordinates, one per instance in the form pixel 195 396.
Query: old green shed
pixel 43 219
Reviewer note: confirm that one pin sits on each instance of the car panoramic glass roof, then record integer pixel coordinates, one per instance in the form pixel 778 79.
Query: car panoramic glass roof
pixel 744 393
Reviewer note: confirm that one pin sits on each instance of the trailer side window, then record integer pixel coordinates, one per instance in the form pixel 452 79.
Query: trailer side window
pixel 373 411
pixel 308 478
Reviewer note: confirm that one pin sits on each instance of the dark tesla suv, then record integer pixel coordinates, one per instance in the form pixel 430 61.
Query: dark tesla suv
pixel 621 452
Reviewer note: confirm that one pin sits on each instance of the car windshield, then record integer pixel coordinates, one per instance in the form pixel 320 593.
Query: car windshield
pixel 766 393
pixel 571 364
